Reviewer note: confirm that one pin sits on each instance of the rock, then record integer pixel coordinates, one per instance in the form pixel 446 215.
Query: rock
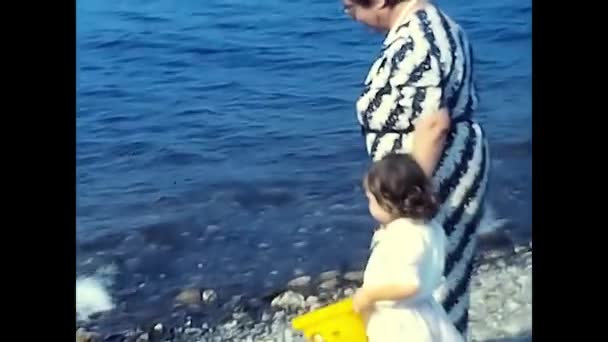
pixel 301 285
pixel 82 335
pixel 143 338
pixel 209 296
pixel 289 300
pixel 234 304
pixel 511 305
pixel 298 282
pixel 329 275
pixel 195 332
pixel 329 285
pixel 278 316
pixel 325 297
pixel 354 277
pixel 349 292
pixel 312 300
pixel 231 325
pixel 300 244
pixel 189 297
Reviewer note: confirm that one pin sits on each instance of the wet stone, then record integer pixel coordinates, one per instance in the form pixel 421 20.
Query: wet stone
pixel 82 335
pixel 355 276
pixel 329 275
pixel 300 244
pixel 189 297
pixel 209 296
pixel 329 285
pixel 143 338
pixel 193 332
pixel 289 300
pixel 266 316
pixel 299 282
pixel 310 300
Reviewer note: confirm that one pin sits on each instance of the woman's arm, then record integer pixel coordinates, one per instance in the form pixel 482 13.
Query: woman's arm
pixel 429 139
pixel 419 77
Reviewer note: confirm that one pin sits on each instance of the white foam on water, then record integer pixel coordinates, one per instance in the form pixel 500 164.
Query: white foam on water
pixel 92 294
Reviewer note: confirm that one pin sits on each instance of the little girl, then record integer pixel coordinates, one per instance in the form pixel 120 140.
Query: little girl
pixel 406 263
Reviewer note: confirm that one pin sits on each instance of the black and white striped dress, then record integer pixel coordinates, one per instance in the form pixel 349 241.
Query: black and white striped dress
pixel 426 64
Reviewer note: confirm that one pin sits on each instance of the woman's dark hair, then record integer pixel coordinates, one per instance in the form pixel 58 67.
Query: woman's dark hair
pixel 401 187
pixel 387 3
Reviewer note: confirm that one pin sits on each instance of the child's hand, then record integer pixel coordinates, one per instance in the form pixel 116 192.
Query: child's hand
pixel 362 301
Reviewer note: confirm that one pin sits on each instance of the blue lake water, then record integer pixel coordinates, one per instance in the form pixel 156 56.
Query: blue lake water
pixel 217 144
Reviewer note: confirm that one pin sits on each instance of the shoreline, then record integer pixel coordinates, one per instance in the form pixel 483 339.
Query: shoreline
pixel 501 306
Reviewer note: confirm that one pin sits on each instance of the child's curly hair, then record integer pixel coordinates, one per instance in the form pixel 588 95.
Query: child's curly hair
pixel 401 187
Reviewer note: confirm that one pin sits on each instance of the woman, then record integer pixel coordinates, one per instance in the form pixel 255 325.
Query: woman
pixel 419 98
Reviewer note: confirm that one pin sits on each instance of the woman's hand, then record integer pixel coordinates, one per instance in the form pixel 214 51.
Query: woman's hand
pixel 429 139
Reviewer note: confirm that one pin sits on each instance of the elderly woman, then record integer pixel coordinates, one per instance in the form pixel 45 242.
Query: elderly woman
pixel 419 98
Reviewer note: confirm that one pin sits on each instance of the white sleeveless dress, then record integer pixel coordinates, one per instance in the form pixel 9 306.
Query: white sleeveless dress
pixel 406 251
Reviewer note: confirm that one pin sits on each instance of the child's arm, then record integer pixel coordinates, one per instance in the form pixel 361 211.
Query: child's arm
pixel 390 291
pixel 400 257
pixel 365 297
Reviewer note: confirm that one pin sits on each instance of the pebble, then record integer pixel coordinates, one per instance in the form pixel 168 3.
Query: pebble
pixel 189 297
pixel 209 296
pixel 329 284
pixel 311 300
pixel 193 331
pixel 300 244
pixel 82 335
pixel 231 325
pixel 500 307
pixel 289 300
pixel 143 338
pixel 329 275
pixel 355 277
pixel 302 285
pixel 299 282
pixel 511 305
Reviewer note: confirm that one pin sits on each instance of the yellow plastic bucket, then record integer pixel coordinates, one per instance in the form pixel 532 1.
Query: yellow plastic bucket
pixel 336 322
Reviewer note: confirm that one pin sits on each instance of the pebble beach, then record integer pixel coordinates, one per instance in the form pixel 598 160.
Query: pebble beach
pixel 501 307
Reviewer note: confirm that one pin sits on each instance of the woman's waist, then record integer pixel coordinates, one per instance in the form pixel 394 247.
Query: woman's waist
pixel 406 129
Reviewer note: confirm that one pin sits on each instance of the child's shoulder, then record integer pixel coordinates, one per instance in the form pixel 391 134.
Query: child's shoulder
pixel 407 229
